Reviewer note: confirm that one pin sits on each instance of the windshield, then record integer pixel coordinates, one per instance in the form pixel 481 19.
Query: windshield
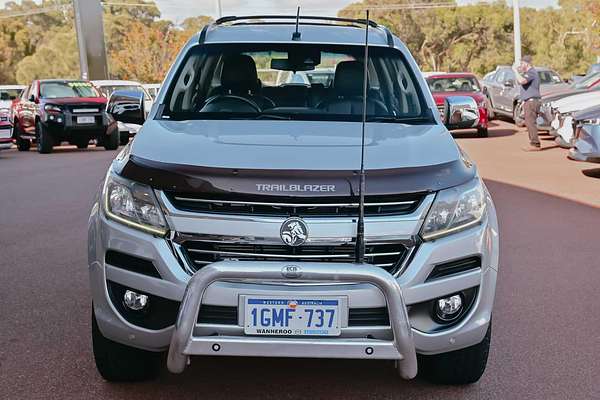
pixel 107 90
pixel 54 90
pixel 10 94
pixel 294 81
pixel 462 84
pixel 549 77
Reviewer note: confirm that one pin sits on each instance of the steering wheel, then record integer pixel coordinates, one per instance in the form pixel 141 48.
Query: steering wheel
pixel 231 98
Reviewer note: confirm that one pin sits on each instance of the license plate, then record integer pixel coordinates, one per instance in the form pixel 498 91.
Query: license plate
pixel 315 316
pixel 86 120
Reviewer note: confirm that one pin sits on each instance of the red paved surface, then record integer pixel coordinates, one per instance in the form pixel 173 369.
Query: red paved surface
pixel 545 344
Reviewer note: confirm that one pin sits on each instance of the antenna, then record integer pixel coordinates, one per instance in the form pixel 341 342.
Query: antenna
pixel 360 225
pixel 296 35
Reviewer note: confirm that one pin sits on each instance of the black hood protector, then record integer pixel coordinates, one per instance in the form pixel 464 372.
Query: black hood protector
pixel 282 184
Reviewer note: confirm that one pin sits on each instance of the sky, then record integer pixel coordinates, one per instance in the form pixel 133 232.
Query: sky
pixel 178 10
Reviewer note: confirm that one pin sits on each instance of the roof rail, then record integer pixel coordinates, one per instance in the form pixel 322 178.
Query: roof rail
pixel 233 18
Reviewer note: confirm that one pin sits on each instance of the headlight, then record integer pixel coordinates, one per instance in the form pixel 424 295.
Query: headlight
pixel 52 108
pixel 455 209
pixel 133 204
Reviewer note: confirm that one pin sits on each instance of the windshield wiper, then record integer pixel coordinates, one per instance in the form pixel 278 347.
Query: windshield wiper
pixel 403 120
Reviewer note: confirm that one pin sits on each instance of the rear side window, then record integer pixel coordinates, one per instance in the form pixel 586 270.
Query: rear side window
pixel 293 81
pixel 549 77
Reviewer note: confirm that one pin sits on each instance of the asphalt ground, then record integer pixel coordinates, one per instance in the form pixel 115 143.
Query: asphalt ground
pixel 546 330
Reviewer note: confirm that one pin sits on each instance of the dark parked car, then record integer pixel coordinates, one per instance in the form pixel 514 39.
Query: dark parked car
pixel 54 111
pixel 502 90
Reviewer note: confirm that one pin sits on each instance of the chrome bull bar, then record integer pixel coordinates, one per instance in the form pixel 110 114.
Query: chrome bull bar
pixel 184 343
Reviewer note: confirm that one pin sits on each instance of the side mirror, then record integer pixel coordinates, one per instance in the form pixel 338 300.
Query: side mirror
pixel 460 112
pixel 32 98
pixel 509 83
pixel 126 106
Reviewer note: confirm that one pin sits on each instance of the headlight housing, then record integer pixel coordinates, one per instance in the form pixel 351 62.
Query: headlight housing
pixel 52 108
pixel 455 209
pixel 133 204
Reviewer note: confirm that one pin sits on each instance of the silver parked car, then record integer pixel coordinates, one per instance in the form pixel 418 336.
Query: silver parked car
pixel 502 91
pixel 231 225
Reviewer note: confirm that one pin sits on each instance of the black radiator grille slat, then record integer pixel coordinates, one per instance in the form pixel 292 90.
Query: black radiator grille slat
pixel 368 317
pixel 222 315
pixel 303 207
pixel 201 253
pixel 357 317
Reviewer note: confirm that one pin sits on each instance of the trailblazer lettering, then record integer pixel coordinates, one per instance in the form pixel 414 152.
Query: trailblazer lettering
pixel 272 187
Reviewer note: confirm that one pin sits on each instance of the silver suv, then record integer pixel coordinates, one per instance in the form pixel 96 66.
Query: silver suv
pixel 228 226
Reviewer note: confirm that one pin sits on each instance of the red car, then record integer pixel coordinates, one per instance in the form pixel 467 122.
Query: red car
pixel 443 85
pixel 53 111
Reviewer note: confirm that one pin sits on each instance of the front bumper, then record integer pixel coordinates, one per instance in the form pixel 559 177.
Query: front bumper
pixel 221 284
pixel 586 144
pixel 65 125
pixel 184 343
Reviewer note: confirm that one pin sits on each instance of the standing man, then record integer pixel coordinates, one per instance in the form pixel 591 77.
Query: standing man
pixel 529 79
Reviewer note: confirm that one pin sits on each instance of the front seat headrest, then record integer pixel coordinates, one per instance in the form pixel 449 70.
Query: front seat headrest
pixel 239 73
pixel 348 80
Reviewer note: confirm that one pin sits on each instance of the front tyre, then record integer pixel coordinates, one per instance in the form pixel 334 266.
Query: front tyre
pixel 518 115
pixel 120 363
pixel 22 144
pixel 44 139
pixel 124 138
pixel 458 367
pixel 111 142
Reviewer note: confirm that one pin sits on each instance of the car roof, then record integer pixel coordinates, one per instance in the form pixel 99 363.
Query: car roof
pixel 539 68
pixel 101 83
pixel 12 86
pixel 451 75
pixel 279 29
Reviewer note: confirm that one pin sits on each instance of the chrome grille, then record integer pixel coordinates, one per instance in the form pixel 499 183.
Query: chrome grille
pixel 304 207
pixel 85 108
pixel 388 256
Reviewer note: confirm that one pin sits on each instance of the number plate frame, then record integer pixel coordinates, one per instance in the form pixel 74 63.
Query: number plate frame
pixel 342 315
pixel 85 120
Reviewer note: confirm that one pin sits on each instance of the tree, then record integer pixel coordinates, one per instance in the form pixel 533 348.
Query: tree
pixel 56 57
pixel 479 37
pixel 145 54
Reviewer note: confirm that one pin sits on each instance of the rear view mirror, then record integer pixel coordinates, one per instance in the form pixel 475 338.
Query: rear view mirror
pixel 299 60
pixel 127 106
pixel 460 112
pixel 509 83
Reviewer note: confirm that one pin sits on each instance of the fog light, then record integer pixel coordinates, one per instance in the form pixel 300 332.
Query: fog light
pixel 59 119
pixel 135 301
pixel 448 308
